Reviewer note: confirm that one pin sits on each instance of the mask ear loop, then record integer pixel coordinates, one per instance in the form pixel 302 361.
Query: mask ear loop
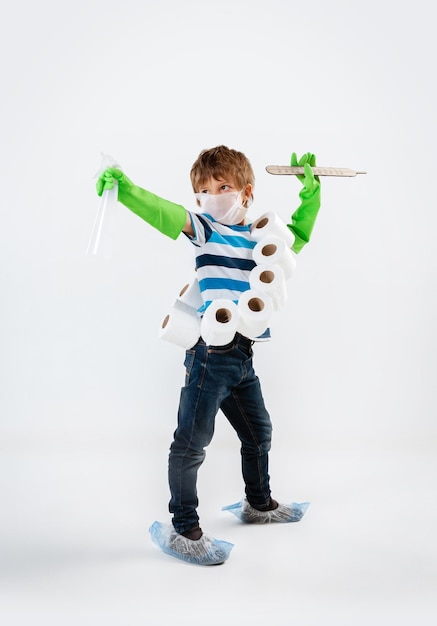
pixel 197 196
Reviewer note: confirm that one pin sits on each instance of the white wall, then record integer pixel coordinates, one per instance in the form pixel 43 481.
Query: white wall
pixel 351 369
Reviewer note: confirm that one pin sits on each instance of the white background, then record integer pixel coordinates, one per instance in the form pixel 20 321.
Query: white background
pixel 89 392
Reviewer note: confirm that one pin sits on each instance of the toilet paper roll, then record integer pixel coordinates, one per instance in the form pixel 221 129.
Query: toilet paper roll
pixel 270 280
pixel 255 310
pixel 219 323
pixel 181 328
pixel 271 225
pixel 274 251
pixel 190 295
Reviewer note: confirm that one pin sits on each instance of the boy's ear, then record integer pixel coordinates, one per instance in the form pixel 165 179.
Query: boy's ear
pixel 247 192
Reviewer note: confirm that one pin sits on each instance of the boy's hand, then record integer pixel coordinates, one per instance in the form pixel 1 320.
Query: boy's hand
pixel 106 180
pixel 308 160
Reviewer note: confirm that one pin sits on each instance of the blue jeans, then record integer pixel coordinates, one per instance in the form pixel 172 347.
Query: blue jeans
pixel 218 378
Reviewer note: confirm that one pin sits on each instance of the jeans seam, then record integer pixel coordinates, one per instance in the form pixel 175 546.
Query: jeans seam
pixel 203 365
pixel 247 422
pixel 261 452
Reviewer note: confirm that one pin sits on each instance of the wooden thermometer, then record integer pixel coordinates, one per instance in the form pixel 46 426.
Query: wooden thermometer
pixel 289 170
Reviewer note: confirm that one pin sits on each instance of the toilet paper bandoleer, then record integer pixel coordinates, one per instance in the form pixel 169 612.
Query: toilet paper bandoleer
pixel 232 257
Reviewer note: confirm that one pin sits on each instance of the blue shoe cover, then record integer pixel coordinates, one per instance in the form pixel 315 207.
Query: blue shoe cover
pixel 204 551
pixel 282 514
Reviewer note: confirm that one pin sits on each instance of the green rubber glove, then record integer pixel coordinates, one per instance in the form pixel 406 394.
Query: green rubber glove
pixel 303 219
pixel 309 158
pixel 165 216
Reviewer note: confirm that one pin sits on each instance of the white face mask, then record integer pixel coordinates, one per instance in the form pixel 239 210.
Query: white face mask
pixel 226 208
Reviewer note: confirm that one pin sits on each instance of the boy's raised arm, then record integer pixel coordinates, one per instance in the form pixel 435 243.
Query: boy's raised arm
pixel 167 217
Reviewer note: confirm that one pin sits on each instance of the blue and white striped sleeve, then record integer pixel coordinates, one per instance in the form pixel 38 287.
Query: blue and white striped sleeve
pixel 202 229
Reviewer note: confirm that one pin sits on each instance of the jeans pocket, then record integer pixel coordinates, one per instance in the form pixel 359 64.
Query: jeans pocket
pixel 222 349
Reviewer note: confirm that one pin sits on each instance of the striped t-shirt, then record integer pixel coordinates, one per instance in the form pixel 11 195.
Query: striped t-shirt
pixel 223 258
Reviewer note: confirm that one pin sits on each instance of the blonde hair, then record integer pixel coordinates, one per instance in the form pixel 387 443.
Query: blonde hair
pixel 221 162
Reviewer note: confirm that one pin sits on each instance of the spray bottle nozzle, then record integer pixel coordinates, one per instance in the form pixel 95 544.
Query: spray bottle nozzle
pixel 107 161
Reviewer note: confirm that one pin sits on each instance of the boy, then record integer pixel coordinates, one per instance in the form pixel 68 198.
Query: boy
pixel 218 377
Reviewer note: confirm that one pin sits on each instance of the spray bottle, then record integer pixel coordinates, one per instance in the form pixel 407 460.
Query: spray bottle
pixel 102 235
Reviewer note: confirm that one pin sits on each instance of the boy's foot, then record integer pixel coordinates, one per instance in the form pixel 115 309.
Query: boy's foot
pixel 204 551
pixel 281 513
